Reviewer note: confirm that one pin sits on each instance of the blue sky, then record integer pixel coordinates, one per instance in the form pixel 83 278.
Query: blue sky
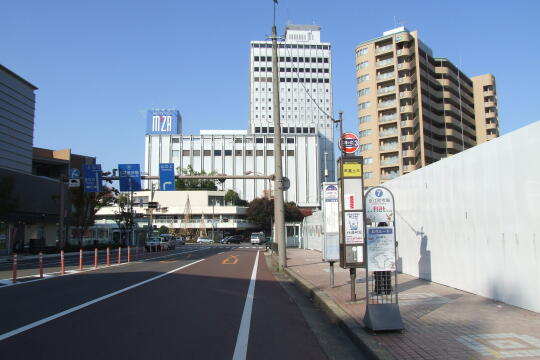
pixel 99 65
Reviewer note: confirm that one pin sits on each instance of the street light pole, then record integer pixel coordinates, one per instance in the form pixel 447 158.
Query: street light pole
pixel 279 213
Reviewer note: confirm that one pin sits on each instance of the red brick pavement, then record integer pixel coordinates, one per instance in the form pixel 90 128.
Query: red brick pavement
pixel 440 322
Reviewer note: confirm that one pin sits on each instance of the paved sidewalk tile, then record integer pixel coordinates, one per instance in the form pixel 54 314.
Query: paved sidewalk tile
pixel 440 322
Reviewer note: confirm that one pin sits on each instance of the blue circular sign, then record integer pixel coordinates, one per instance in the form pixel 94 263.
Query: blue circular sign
pixel 378 193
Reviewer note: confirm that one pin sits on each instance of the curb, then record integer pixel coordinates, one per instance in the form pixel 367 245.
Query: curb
pixel 338 316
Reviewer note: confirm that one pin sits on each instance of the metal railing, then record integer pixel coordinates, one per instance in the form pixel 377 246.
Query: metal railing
pixel 389 147
pixel 387 118
pixel 383 49
pixel 386 76
pixel 386 90
pixel 386 104
pixel 388 132
pixel 389 176
pixel 384 62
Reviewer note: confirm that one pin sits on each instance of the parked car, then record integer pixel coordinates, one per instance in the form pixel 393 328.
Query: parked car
pixel 168 241
pixel 257 238
pixel 180 240
pixel 233 239
pixel 224 240
pixel 204 240
pixel 153 243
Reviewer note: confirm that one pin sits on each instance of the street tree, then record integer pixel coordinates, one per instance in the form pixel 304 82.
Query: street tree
pixel 124 217
pixel 261 212
pixel 194 184
pixel 86 205
pixel 232 197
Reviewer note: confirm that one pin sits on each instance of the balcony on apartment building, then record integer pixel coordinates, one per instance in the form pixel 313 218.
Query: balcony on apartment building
pixel 388 146
pixel 409 153
pixel 386 76
pixel 384 63
pixel 384 49
pixel 386 90
pixel 390 161
pixel 406 94
pixel 409 168
pixel 405 79
pixel 389 175
pixel 392 131
pixel 405 51
pixel 405 66
pixel 386 104
pixel 388 118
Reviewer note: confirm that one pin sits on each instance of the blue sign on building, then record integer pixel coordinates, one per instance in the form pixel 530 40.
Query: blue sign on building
pixel 93 181
pixel 166 177
pixel 163 122
pixel 130 177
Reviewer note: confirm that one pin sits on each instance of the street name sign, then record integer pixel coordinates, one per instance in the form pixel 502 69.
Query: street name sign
pixel 93 181
pixel 166 177
pixel 130 177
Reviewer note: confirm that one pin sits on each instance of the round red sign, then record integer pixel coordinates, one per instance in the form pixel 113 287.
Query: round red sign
pixel 349 143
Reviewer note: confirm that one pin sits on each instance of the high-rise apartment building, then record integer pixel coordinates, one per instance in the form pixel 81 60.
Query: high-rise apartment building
pixel 305 78
pixel 485 107
pixel 414 108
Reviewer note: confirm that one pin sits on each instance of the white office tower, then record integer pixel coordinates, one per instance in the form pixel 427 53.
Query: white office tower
pixel 305 78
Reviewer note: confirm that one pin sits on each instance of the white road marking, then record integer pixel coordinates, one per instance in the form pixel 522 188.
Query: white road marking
pixel 240 350
pixel 88 303
pixel 51 275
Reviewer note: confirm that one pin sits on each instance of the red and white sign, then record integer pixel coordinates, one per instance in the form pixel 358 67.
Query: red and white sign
pixel 349 143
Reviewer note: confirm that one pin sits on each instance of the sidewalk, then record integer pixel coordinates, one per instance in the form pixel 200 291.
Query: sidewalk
pixel 440 322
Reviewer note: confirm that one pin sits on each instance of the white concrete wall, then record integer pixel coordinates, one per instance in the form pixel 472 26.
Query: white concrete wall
pixel 472 221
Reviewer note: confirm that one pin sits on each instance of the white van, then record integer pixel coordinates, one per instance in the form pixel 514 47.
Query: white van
pixel 257 238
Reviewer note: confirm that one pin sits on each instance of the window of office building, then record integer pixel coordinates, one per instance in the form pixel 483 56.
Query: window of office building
pixel 368 160
pixel 228 152
pixel 217 152
pixel 185 152
pixel 290 140
pixel 196 152
pixel 269 152
pixel 259 152
pixel 368 174
pixel 269 140
pixel 238 152
pixel 207 152
pixel 259 140
pixel 290 152
pixel 249 152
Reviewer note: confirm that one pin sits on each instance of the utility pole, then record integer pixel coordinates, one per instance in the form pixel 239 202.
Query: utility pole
pixel 279 213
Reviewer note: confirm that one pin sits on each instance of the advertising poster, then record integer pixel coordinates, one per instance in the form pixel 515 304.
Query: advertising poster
pixel 354 228
pixel 381 251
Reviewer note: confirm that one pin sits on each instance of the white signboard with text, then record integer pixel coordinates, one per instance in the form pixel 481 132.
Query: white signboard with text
pixel 381 250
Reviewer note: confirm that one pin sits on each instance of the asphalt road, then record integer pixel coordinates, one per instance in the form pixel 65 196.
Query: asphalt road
pixel 206 302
